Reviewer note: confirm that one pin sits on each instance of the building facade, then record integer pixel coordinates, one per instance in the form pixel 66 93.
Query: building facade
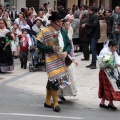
pixel 53 3
pixel 105 3
pixel 28 3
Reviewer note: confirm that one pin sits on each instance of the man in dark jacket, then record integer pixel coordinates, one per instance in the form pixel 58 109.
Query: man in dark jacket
pixel 13 14
pixel 83 38
pixel 93 28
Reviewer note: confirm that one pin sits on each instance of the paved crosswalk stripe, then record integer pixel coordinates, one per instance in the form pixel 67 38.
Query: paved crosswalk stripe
pixel 45 116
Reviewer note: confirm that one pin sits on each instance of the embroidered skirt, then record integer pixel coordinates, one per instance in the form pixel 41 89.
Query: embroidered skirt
pixel 106 89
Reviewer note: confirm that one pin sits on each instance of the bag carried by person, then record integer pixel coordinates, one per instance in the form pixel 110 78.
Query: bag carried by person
pixel 118 80
pixel 114 78
pixel 68 61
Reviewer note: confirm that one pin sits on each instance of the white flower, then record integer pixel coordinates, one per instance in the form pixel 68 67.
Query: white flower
pixel 106 58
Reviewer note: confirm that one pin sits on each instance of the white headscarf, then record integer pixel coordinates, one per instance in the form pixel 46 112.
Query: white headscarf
pixel 34 12
pixel 106 51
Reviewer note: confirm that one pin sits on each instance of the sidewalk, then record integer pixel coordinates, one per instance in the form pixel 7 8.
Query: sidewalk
pixel 35 82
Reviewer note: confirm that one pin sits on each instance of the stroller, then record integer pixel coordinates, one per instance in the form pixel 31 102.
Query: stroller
pixel 37 58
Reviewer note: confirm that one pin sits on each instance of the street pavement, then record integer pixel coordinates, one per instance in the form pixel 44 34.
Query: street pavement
pixel 22 95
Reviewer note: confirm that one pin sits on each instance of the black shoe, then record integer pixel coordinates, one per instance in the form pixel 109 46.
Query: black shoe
pixel 104 106
pixel 21 66
pixel 84 59
pixel 60 102
pixel 93 67
pixel 62 98
pixel 57 108
pixel 2 72
pixel 25 67
pixel 112 107
pixel 49 106
pixel 89 66
pixel 36 66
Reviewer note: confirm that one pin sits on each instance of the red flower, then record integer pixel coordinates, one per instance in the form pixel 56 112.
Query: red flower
pixel 19 36
pixel 54 35
pixel 11 37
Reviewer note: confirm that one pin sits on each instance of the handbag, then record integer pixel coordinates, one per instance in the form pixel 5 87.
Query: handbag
pixel 68 61
pixel 118 80
pixel 115 82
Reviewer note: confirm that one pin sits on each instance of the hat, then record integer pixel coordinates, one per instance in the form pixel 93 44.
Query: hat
pixel 55 16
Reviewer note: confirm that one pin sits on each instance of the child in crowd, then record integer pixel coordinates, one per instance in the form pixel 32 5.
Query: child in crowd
pixel 14 42
pixel 15 26
pixel 24 25
pixel 106 90
pixel 25 43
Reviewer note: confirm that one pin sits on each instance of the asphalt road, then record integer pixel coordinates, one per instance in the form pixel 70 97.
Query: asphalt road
pixel 19 105
pixel 16 104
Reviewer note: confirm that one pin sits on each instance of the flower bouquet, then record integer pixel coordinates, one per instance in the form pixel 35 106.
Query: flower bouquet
pixel 56 42
pixel 106 61
pixel 8 39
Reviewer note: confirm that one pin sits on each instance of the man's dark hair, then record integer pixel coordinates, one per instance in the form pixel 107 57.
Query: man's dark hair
pixel 109 10
pixel 84 6
pixel 93 8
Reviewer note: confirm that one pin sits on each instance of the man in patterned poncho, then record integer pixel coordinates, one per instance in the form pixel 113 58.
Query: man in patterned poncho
pixel 55 65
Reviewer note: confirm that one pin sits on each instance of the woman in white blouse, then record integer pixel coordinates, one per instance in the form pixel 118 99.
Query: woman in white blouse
pixel 19 20
pixel 70 15
pixel 42 17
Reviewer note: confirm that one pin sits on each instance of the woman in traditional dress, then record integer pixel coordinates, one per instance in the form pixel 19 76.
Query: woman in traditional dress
pixel 33 11
pixel 70 15
pixel 7 19
pixel 50 10
pixel 19 20
pixel 37 27
pixel 6 58
pixel 42 17
pixel 72 89
pixel 106 91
